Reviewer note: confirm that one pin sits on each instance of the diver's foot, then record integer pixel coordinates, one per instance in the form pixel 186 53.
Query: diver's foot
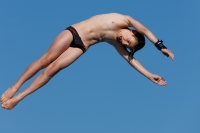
pixel 8 94
pixel 8 105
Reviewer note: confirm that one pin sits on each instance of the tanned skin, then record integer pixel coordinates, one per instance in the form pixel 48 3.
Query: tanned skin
pixel 111 28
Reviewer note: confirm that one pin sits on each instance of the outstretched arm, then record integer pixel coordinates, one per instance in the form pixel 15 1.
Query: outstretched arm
pixel 135 64
pixel 145 31
pixel 141 29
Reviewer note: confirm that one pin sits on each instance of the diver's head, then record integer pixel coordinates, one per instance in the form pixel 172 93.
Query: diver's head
pixel 132 39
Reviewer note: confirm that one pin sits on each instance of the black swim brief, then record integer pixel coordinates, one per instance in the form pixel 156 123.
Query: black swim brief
pixel 76 42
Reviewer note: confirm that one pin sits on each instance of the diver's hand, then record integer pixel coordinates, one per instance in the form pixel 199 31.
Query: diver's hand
pixel 157 79
pixel 168 53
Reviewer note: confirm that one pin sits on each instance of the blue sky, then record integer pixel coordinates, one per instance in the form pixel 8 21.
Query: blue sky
pixel 100 92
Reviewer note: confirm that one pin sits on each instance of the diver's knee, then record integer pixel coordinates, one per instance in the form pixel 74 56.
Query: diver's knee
pixel 44 62
pixel 52 69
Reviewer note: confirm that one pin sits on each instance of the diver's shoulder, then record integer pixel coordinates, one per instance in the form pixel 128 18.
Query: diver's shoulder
pixel 110 14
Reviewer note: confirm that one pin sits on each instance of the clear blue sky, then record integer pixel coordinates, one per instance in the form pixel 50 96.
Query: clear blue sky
pixel 100 92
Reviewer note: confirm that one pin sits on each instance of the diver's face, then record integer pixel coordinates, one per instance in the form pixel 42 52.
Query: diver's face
pixel 127 38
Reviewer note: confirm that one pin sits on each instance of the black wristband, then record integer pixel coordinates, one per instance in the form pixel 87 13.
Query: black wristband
pixel 159 45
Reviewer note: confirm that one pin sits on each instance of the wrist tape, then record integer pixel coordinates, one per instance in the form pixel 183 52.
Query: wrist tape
pixel 159 45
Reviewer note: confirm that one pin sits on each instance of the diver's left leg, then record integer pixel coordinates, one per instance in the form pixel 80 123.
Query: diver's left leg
pixel 60 44
pixel 64 60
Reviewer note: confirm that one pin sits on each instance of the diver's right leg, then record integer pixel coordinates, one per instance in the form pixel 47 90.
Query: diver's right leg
pixel 59 45
pixel 64 60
